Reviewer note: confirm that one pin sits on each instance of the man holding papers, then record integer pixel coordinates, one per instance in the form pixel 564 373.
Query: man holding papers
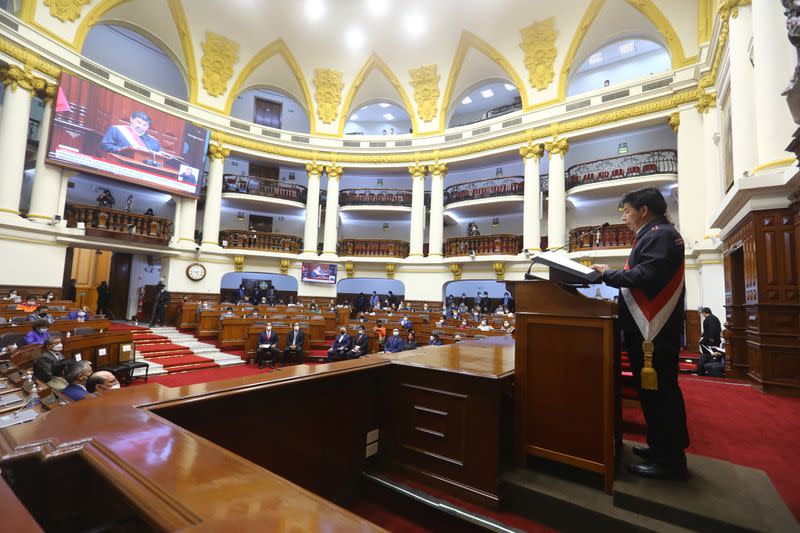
pixel 651 315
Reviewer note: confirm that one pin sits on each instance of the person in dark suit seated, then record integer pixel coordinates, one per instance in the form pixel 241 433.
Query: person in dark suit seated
pixel 133 135
pixel 80 314
pixel 435 340
pixel 360 345
pixel 394 343
pixel 38 333
pixel 102 380
pixel 51 353
pixel 267 347
pixel 42 313
pixel 294 345
pixel 341 345
pixel 410 343
pixel 711 338
pixel 406 324
pixel 76 375
pixel 57 382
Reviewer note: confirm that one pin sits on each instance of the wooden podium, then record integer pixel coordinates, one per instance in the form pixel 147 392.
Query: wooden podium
pixel 566 401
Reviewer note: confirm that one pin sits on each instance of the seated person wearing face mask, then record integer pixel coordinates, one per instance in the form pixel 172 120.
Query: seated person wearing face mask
pixel 394 343
pixel 51 353
pixel 457 338
pixel 410 343
pixel 267 347
pixel 294 345
pixel 228 312
pixel 80 315
pixel 435 340
pixel 360 345
pixel 485 326
pixel 38 333
pixel 76 374
pixel 102 380
pixel 41 312
pixel 340 347
pixel 57 382
pixel 507 327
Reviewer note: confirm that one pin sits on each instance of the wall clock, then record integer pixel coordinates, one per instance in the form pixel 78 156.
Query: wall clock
pixel 195 272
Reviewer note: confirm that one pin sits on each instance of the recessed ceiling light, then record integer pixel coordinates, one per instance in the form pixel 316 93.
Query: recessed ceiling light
pixel 377 8
pixel 466 100
pixel 509 87
pixel 388 116
pixel 596 58
pixel 487 93
pixel 354 38
pixel 384 105
pixel 315 9
pixel 415 24
pixel 353 117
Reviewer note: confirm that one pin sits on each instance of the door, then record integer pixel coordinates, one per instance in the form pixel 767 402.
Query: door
pixel 119 280
pixel 267 112
pixel 261 223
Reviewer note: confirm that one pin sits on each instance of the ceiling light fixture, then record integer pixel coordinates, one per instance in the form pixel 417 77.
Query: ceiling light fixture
pixel 388 116
pixel 509 87
pixel 415 24
pixel 354 38
pixel 384 105
pixel 354 117
pixel 377 8
pixel 466 100
pixel 315 10
pixel 487 93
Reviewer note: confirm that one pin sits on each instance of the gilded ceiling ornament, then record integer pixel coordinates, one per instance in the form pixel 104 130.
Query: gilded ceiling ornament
pixel 334 171
pixel 731 7
pixel 329 93
pixel 455 269
pixel 532 150
pixel 285 266
pixel 314 168
pixel 417 170
pixel 705 102
pixel 425 81
pixel 16 77
pixel 215 151
pixel 66 10
pixel 219 56
pixel 438 169
pixel 557 147
pixel 30 59
pixel 539 46
pixel 238 263
pixel 390 270
pixel 674 121
pixel 350 269
pixel 499 271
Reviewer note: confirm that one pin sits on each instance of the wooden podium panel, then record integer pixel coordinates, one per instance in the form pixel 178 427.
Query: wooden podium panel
pixel 566 401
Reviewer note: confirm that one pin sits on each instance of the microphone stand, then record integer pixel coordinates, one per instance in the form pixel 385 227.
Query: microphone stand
pixel 582 234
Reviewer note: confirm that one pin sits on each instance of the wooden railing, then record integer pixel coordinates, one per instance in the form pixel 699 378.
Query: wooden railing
pixel 263 187
pixel 394 197
pixel 625 166
pixel 259 240
pixel 118 224
pixel 485 188
pixel 614 236
pixel 373 248
pixel 483 245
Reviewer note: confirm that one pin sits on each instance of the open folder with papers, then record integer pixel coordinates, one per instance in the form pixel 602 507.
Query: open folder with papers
pixel 564 264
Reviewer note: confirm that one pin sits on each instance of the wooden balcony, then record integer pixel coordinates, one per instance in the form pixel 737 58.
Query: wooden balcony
pixel 485 188
pixel 483 245
pixel 118 224
pixel 268 188
pixel 259 240
pixel 625 166
pixel 380 197
pixel 373 248
pixel 609 238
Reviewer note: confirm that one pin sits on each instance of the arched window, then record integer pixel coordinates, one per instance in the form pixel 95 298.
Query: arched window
pixel 378 118
pixel 271 107
pixel 618 62
pixel 484 100
pixel 136 56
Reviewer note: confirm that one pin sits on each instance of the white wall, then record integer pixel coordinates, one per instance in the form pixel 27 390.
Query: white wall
pixel 642 140
pixel 293 116
pixel 31 263
pixel 281 282
pixel 377 128
pixel 355 228
pixel 142 274
pixel 288 224
pixel 644 65
pixel 496 289
pixel 86 191
pixel 510 223
pixel 367 285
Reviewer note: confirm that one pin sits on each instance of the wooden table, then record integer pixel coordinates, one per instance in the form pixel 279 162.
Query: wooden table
pixel 235 330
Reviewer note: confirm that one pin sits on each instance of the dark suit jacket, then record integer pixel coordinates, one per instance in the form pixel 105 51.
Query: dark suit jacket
pixel 42 366
pixel 74 392
pixel 393 344
pixel 712 331
pixel 268 338
pixel 114 141
pixel 301 337
pixel 341 341
pixel 362 341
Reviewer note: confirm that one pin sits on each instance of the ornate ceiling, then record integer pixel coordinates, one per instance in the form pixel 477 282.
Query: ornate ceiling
pixel 421 55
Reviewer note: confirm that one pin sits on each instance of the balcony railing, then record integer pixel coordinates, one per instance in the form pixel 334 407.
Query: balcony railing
pixel 268 188
pixel 485 188
pixel 610 237
pixel 483 245
pixel 373 248
pixel 382 197
pixel 626 166
pixel 260 240
pixel 118 224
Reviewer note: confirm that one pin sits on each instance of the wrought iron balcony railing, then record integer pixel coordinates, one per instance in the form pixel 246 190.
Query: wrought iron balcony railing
pixel 608 238
pixel 382 197
pixel 373 248
pixel 485 188
pixel 259 240
pixel 625 166
pixel 501 244
pixel 268 188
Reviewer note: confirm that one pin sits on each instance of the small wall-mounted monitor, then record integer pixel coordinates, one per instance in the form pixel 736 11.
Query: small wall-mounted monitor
pixel 318 273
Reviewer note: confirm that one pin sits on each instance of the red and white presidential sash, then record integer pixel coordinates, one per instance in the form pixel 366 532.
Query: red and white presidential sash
pixel 650 315
pixel 132 137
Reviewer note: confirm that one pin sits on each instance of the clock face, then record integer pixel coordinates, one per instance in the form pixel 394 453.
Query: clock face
pixel 196 271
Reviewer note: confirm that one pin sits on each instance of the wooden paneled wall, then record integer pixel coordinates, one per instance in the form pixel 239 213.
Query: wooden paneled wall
pixel 89 268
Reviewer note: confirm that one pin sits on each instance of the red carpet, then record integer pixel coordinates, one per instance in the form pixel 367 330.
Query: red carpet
pixel 161 347
pixel 173 357
pixel 731 420
pixel 116 326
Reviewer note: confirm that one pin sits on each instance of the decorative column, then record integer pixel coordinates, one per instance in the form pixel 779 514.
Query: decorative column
pixel 187 222
pixel 20 84
pixel 774 59
pixel 217 155
pixel 531 223
pixel 743 117
pixel 713 177
pixel 331 209
pixel 436 235
pixel 557 195
pixel 312 208
pixel 47 178
pixel 417 234
pixel 691 177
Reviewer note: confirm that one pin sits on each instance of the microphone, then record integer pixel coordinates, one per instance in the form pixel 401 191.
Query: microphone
pixel 604 225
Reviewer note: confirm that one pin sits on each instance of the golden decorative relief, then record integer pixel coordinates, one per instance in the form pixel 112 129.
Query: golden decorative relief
pixel 425 81
pixel 539 47
pixel 350 269
pixel 438 169
pixel 16 77
pixel 730 8
pixel 315 168
pixel 238 263
pixel 390 270
pixel 455 269
pixel 30 59
pixel 66 10
pixel 219 56
pixel 215 151
pixel 329 93
pixel 334 171
pixel 285 266
pixel 532 150
pixel 557 146
pixel 499 271
pixel 705 102
pixel 674 121
pixel 417 170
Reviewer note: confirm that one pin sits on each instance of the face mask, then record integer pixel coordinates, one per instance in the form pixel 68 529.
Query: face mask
pixel 297 328
pixel 58 347
pixel 395 333
pixel 342 332
pixel 431 337
pixel 81 314
pixel 269 328
pixel 41 330
pixel 114 386
pixel 43 313
pixel 361 332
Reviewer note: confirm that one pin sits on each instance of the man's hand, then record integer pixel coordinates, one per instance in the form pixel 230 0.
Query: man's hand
pixel 599 268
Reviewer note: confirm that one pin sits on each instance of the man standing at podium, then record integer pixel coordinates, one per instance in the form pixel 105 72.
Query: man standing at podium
pixel 651 316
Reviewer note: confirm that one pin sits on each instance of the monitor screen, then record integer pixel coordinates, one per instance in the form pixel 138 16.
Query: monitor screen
pixel 318 273
pixel 102 132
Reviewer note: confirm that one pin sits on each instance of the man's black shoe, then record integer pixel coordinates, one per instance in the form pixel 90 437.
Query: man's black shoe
pixel 261 365
pixel 641 451
pixel 657 471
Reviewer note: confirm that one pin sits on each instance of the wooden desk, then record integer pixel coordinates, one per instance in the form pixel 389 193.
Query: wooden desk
pixel 208 323
pixel 102 349
pixel 60 327
pixel 235 331
pixel 251 346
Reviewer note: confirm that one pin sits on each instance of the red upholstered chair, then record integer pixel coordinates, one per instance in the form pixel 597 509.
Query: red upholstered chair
pixel 649 167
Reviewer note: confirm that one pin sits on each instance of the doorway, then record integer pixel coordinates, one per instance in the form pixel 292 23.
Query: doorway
pixel 119 280
pixel 267 113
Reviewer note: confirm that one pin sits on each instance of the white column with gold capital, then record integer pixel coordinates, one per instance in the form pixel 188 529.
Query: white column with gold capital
pixel 436 232
pixel 743 117
pixel 20 84
pixel 416 236
pixel 331 209
pixel 213 208
pixel 531 217
pixel 187 222
pixel 556 194
pixel 312 209
pixel 47 178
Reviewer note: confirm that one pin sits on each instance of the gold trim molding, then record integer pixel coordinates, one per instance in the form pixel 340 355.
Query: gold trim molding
pixel 539 47
pixel 66 10
pixel 219 56
pixel 329 84
pixel 425 81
